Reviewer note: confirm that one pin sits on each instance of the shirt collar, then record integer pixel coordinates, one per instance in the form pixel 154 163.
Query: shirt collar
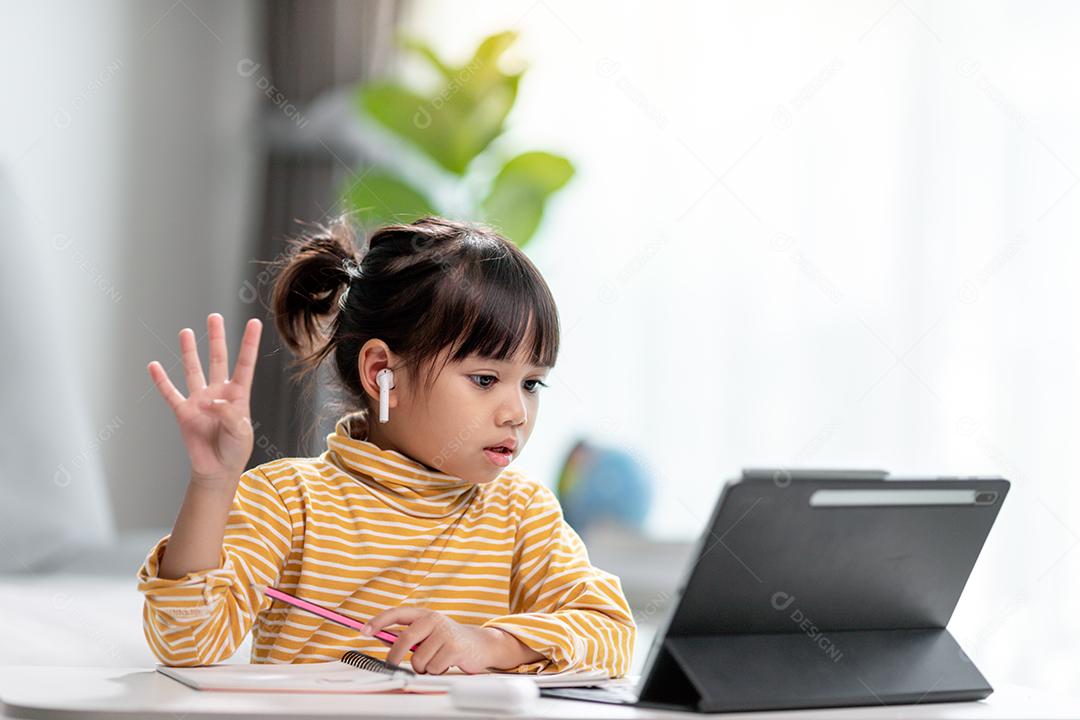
pixel 396 479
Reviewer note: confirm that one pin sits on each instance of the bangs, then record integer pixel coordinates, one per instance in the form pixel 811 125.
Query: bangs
pixel 496 305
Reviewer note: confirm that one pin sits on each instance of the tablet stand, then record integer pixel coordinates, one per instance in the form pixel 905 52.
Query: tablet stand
pixel 771 671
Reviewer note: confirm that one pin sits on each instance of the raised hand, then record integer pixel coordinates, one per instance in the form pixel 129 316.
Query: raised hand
pixel 215 417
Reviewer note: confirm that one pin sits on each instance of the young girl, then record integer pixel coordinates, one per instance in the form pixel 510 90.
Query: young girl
pixel 415 523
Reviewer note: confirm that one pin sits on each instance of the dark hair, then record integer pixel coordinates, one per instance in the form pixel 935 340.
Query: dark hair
pixel 421 288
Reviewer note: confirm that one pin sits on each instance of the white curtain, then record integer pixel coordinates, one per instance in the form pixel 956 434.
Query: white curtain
pixel 53 485
pixel 820 235
pixel 57 282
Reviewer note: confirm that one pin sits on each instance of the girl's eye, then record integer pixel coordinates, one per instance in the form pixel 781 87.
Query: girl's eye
pixel 535 388
pixel 486 381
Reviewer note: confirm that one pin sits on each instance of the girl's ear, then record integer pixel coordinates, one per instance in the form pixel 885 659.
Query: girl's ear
pixel 374 356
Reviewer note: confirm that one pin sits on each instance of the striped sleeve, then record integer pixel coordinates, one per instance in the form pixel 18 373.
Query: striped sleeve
pixel 202 617
pixel 572 613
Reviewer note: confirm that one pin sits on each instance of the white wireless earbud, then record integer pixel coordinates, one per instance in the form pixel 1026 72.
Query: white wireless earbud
pixel 385 379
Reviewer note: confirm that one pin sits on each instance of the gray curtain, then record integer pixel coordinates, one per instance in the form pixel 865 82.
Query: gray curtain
pixel 313 51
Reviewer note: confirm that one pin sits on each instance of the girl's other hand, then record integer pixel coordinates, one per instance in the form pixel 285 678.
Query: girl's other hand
pixel 442 643
pixel 215 417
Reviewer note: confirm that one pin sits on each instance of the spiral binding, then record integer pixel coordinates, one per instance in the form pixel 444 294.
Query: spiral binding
pixel 374 664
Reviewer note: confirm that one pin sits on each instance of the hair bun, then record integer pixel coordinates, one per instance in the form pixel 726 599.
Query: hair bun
pixel 313 274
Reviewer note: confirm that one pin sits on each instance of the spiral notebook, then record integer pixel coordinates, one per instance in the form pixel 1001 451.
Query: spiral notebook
pixel 355 672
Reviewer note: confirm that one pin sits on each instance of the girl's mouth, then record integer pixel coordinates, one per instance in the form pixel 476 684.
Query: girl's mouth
pixel 498 456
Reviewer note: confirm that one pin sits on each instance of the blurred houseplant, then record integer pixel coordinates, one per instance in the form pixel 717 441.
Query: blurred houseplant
pixel 452 128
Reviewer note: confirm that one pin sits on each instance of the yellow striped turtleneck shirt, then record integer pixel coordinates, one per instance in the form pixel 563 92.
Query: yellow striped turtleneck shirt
pixel 359 529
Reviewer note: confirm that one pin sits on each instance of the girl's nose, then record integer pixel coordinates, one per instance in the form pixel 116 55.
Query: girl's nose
pixel 514 410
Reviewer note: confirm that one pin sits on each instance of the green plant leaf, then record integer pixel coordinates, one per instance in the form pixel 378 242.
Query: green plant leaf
pixel 484 65
pixel 452 125
pixel 424 50
pixel 380 198
pixel 407 115
pixel 462 117
pixel 520 191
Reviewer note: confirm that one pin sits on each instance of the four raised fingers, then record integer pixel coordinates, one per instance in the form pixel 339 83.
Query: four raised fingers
pixel 219 358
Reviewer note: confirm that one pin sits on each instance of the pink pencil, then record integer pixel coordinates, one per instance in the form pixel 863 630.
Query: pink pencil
pixel 385 636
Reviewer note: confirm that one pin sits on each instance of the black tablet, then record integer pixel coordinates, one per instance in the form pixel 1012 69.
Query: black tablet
pixel 821 588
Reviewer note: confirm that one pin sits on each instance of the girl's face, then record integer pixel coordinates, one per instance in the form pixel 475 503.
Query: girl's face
pixel 474 406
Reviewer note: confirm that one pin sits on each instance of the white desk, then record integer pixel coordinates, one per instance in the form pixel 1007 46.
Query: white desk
pixel 107 693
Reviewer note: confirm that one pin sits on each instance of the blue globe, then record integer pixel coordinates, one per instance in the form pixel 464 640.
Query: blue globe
pixel 603 484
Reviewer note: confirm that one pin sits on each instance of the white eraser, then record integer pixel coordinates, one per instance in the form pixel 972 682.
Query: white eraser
pixel 504 694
